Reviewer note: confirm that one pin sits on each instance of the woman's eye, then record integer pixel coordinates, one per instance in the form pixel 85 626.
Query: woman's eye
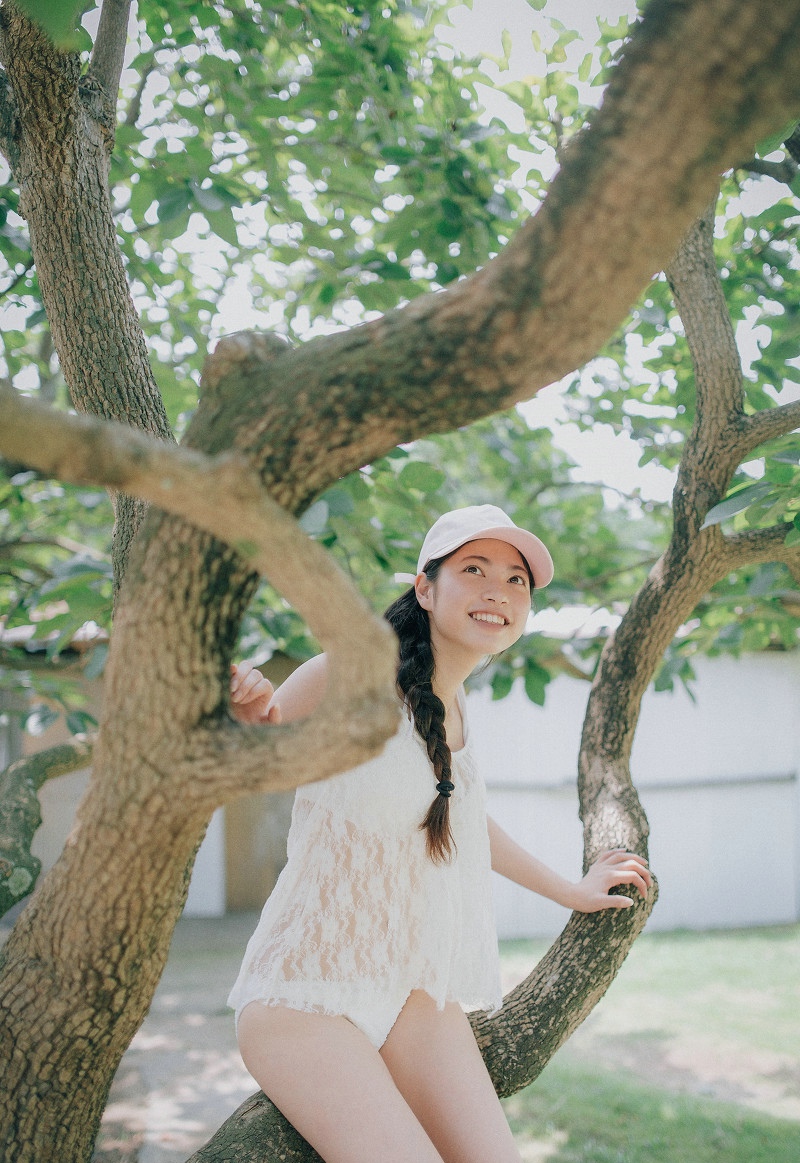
pixel 472 569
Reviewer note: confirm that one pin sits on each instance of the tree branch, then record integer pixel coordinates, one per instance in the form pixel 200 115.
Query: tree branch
pixel 767 425
pixel 223 496
pixel 108 54
pixel 782 171
pixel 711 453
pixel 65 664
pixel 628 190
pixel 754 546
pixel 20 815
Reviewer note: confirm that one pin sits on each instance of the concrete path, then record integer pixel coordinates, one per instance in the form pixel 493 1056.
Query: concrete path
pixel 182 1075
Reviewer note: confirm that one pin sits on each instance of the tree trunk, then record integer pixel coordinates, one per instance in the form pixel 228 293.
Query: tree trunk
pixel 62 144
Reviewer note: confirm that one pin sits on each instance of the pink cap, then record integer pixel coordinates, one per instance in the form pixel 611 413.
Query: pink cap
pixel 455 528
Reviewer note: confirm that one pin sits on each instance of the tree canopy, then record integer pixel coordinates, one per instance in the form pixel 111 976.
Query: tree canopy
pixel 245 165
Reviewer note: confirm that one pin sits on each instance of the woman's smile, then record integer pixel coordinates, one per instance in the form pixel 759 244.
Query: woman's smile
pixel 492 619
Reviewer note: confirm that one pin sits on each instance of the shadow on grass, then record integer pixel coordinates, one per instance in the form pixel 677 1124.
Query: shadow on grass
pixel 576 1115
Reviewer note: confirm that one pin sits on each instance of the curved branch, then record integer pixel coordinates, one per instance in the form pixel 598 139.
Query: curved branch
pixel 20 816
pixel 767 425
pixel 629 188
pixel 223 496
pixel 755 546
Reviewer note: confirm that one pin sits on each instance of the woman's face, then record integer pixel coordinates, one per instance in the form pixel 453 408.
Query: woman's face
pixel 480 600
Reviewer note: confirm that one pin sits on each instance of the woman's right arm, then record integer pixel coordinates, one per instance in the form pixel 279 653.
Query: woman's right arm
pixel 255 700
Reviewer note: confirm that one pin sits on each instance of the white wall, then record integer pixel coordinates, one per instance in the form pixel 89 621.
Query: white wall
pixel 718 778
pixel 207 889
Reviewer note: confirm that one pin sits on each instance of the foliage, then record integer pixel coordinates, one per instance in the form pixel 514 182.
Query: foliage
pixel 314 164
pixel 55 591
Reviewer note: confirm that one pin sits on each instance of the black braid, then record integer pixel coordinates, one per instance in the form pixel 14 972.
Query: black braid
pixel 415 678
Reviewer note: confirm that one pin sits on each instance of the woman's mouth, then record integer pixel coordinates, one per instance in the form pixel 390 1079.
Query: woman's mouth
pixel 492 619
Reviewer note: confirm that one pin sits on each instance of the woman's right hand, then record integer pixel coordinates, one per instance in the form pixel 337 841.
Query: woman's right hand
pixel 251 695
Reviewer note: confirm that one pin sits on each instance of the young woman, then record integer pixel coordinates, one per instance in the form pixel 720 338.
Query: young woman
pixel 379 933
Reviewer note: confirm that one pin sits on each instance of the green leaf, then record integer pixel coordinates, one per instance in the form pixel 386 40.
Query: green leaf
pixel 775 139
pixel 536 680
pixel 59 19
pixel 80 721
pixel 340 503
pixel 502 682
pixel 737 503
pixel 97 661
pixel 421 476
pixel 585 68
pixel 222 223
pixel 173 203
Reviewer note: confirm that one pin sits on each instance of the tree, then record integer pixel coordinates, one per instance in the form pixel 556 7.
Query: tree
pixel 281 424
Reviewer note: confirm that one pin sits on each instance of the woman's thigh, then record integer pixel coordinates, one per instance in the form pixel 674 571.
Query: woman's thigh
pixel 434 1059
pixel 332 1085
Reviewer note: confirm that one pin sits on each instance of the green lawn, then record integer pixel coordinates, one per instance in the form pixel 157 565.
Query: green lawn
pixel 693 1056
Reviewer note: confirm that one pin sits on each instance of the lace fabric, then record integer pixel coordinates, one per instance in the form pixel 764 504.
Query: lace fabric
pixel 361 915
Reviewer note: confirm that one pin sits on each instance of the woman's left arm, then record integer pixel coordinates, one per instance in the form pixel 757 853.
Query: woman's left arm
pixel 590 894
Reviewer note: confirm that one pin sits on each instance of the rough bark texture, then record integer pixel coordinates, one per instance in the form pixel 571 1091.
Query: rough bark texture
pixel 63 134
pixel 80 967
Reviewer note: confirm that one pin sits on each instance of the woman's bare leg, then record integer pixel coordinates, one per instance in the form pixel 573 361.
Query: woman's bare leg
pixel 332 1085
pixel 434 1059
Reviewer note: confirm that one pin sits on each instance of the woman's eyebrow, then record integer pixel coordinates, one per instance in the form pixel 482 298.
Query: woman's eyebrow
pixel 512 567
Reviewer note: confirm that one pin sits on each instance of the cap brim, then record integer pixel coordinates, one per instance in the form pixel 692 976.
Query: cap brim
pixel 532 549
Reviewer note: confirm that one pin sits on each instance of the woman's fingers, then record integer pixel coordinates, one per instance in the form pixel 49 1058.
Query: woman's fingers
pixel 623 867
pixel 251 695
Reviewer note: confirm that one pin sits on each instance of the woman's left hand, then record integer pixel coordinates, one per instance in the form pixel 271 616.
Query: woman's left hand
pixel 251 695
pixel 611 868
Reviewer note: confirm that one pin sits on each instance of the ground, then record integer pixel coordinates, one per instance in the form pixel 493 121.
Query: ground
pixel 714 1015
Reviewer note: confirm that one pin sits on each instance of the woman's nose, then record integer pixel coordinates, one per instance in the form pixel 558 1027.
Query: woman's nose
pixel 493 594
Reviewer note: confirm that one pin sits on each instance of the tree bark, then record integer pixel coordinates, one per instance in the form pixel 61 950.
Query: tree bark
pixel 63 135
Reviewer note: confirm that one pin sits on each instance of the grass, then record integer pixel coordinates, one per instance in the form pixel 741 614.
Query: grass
pixel 578 1115
pixel 693 1056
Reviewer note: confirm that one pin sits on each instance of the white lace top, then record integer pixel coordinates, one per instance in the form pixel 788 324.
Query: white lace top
pixel 361 915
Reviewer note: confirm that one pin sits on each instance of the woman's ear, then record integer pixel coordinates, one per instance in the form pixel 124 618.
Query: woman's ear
pixel 424 590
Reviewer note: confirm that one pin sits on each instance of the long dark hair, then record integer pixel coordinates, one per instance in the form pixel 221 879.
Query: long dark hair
pixel 415 679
